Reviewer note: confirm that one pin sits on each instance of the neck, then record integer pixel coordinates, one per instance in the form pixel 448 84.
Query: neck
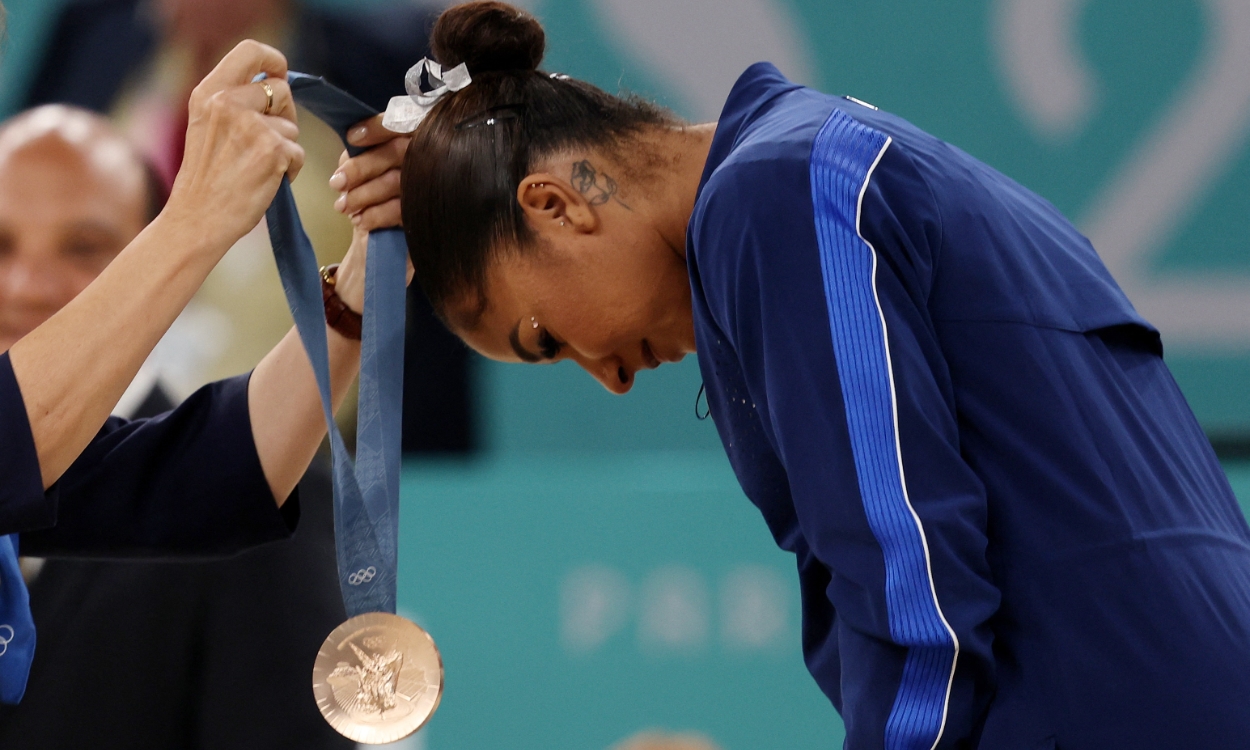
pixel 684 153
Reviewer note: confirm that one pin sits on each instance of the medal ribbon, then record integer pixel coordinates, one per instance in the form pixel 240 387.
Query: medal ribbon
pixel 17 628
pixel 366 496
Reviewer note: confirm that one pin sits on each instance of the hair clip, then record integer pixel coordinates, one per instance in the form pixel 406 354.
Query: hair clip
pixel 492 116
pixel 426 83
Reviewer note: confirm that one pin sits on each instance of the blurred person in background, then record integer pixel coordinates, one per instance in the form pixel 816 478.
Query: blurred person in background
pixel 134 654
pixel 665 741
pixel 1009 528
pixel 137 60
pixel 217 474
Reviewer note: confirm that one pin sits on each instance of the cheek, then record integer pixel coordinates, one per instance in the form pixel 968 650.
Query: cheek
pixel 50 284
pixel 624 282
pixel 79 280
pixel 69 280
pixel 598 315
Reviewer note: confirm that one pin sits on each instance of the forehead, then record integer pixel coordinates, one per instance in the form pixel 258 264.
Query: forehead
pixel 49 175
pixel 487 318
pixel 485 323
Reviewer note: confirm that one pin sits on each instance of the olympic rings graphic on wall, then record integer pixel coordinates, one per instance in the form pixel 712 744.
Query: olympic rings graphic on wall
pixel 364 575
pixel 5 640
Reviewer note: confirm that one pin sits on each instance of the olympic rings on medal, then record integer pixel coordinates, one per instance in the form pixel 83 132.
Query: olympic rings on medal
pixel 5 640
pixel 364 575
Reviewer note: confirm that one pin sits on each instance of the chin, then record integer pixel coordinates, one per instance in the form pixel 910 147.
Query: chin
pixel 9 337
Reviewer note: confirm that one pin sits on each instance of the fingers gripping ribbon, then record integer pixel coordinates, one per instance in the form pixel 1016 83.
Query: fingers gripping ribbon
pixel 426 83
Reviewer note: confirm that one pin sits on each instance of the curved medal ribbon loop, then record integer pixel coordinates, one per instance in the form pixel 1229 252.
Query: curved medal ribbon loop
pixel 366 495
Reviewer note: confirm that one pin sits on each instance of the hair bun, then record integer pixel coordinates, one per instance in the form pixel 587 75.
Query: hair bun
pixel 488 36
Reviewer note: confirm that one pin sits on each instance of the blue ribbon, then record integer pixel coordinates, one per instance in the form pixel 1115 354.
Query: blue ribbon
pixel 17 629
pixel 366 496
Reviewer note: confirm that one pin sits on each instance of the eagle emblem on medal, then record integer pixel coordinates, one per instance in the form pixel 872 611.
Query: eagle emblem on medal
pixel 378 678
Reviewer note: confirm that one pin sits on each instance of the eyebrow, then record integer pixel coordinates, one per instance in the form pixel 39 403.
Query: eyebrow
pixel 514 338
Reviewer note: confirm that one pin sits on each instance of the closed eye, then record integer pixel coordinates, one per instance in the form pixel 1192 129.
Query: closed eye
pixel 548 346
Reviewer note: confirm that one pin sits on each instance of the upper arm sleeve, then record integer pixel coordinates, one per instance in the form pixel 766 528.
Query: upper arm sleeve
pixel 185 483
pixel 841 363
pixel 23 503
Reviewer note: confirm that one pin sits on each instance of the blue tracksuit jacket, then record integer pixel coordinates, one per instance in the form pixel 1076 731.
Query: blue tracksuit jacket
pixel 1010 531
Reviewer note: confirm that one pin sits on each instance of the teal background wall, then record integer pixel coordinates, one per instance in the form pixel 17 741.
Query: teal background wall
pixel 580 597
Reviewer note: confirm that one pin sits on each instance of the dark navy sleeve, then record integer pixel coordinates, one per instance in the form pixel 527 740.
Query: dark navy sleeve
pixel 185 483
pixel 23 503
pixel 822 342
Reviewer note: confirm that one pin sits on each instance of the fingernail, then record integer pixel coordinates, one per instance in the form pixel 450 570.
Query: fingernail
pixel 338 181
pixel 357 134
pixel 341 203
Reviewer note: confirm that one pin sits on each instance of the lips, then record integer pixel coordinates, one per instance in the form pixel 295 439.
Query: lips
pixel 648 356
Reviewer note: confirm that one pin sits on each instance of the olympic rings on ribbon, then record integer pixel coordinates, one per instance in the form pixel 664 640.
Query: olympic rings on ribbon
pixel 5 640
pixel 364 575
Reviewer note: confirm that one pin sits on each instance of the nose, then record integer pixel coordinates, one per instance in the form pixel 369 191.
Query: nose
pixel 32 286
pixel 611 372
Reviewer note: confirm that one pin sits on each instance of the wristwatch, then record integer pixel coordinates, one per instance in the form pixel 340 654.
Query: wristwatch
pixel 339 316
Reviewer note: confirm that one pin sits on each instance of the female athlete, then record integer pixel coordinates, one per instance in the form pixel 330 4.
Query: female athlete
pixel 1010 531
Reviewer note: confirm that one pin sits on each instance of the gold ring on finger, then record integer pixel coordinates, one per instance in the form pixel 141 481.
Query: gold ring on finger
pixel 268 96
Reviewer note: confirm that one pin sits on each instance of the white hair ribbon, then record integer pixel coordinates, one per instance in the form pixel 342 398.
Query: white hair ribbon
pixel 405 113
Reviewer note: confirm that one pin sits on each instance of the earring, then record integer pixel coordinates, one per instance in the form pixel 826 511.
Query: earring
pixel 533 322
pixel 562 223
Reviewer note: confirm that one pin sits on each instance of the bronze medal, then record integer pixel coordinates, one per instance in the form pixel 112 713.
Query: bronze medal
pixel 378 678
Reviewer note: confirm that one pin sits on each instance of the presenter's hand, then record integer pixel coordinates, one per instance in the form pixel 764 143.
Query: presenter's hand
pixel 235 153
pixel 349 281
pixel 369 183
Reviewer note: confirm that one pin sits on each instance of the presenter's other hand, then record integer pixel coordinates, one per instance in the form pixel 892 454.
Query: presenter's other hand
pixel 349 281
pixel 369 183
pixel 236 154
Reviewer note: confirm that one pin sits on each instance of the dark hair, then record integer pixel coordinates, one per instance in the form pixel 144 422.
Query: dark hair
pixel 466 159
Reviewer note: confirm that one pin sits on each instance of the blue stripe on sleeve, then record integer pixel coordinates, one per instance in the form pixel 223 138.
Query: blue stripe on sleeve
pixel 844 155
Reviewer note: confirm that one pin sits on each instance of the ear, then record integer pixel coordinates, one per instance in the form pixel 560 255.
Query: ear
pixel 553 207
